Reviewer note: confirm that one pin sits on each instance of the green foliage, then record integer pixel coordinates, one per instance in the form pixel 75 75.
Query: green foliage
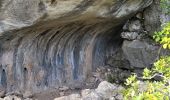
pixel 150 89
pixel 163 36
pixel 147 87
pixel 162 66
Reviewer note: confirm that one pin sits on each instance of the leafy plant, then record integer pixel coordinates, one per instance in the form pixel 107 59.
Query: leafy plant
pixel 140 89
pixel 155 82
pixel 163 37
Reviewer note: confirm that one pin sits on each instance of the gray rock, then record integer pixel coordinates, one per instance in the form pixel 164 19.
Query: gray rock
pixel 107 90
pixel 61 98
pixel 139 53
pixel 21 13
pixel 115 75
pixel 2 92
pixel 119 97
pixel 130 35
pixel 139 15
pixel 112 98
pixel 28 94
pixel 12 97
pixel 61 93
pixel 28 99
pixel 53 43
pixel 70 97
pixel 16 93
pixel 92 96
pixel 86 92
pixel 104 91
pixel 135 26
pixel 118 60
pixel 152 19
pixel 63 88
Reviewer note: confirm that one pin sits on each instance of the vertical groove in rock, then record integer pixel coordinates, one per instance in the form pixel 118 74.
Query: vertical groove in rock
pixel 47 44
pixel 65 54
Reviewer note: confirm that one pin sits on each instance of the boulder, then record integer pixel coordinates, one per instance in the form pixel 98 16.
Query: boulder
pixel 152 18
pixel 12 97
pixel 135 26
pixel 28 94
pixel 106 90
pixel 86 92
pixel 140 54
pixel 130 35
pixel 92 96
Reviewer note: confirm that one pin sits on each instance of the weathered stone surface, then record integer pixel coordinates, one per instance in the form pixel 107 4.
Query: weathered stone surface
pixel 139 15
pixel 139 53
pixel 28 99
pixel 130 35
pixel 2 92
pixel 86 92
pixel 104 91
pixel 118 60
pixel 21 13
pixel 28 94
pixel 70 97
pixel 12 97
pixel 135 26
pixel 93 96
pixel 64 88
pixel 52 43
pixel 133 29
pixel 152 19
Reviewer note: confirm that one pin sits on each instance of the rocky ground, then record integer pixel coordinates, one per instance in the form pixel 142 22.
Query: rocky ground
pixel 104 91
pixel 96 87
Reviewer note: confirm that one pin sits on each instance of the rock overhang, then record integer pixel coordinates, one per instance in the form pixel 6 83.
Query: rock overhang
pixel 22 13
pixel 50 43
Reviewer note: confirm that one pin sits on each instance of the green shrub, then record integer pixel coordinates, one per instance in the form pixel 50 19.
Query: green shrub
pixel 163 37
pixel 155 82
pixel 146 87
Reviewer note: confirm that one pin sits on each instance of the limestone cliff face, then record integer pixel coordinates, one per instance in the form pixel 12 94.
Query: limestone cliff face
pixel 50 43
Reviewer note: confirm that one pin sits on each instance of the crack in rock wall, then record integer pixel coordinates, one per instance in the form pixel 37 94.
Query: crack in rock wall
pixel 47 44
